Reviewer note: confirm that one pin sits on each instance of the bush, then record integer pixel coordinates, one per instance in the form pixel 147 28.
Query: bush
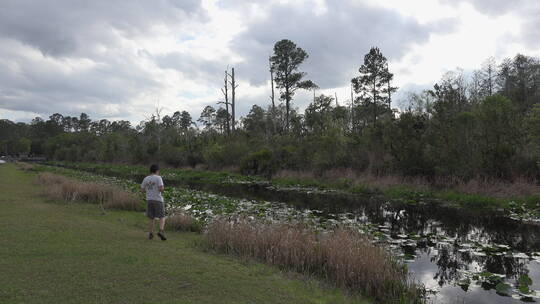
pixel 228 154
pixel 174 156
pixel 344 257
pixel 69 190
pixel 25 166
pixel 289 157
pixel 183 222
pixel 258 163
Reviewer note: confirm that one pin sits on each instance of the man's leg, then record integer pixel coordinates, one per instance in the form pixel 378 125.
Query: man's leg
pixel 162 224
pixel 160 213
pixel 150 215
pixel 151 225
pixel 161 234
pixel 151 229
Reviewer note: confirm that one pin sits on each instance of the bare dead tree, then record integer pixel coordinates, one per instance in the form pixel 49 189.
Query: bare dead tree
pixel 158 125
pixel 351 107
pixel 156 119
pixel 389 88
pixel 233 98
pixel 225 91
pixel 489 70
pixel 272 96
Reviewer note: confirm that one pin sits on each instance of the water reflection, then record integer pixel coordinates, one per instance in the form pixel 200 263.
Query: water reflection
pixel 460 254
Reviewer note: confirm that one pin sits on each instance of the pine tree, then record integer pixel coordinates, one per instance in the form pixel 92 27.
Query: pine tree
pixel 374 83
pixel 285 63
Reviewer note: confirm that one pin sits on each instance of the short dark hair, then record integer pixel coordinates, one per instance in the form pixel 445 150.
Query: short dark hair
pixel 154 168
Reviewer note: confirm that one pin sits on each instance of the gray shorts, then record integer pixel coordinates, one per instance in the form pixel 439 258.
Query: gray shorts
pixel 155 209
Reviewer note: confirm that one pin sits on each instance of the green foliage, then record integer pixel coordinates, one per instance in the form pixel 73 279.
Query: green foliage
pixel 23 145
pixel 175 156
pixel 113 263
pixel 503 289
pixel 486 128
pixel 499 135
pixel 374 83
pixel 330 150
pixel 225 154
pixel 258 163
pixel 215 155
pixel 532 123
pixel 284 63
pixel 407 139
pixel 524 282
pixel 532 127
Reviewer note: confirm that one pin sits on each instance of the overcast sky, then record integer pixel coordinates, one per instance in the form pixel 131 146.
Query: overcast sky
pixel 118 59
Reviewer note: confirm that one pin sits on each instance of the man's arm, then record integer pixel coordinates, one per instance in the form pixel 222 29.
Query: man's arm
pixel 143 187
pixel 161 187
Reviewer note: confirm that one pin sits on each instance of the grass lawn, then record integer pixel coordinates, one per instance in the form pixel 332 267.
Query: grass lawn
pixel 71 253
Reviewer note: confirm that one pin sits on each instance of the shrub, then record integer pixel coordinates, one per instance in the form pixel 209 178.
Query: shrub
pixel 69 190
pixel 25 166
pixel 183 222
pixel 344 257
pixel 123 200
pixel 174 156
pixel 228 154
pixel 258 163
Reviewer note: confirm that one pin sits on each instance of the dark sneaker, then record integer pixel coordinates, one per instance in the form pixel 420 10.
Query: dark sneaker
pixel 162 236
pixel 150 235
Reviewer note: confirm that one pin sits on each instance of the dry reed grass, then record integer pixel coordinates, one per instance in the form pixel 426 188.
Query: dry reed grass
pixel 344 257
pixel 293 174
pixel 59 187
pixel 25 166
pixel 183 222
pixel 519 187
pixel 494 188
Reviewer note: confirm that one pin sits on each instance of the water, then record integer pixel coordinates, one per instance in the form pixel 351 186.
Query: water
pixel 460 255
pixel 444 246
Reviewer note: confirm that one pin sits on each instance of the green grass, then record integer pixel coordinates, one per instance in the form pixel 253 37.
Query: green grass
pixel 466 200
pixel 70 253
pixel 179 175
pixel 458 199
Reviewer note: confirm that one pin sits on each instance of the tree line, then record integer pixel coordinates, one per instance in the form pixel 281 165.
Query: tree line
pixel 483 125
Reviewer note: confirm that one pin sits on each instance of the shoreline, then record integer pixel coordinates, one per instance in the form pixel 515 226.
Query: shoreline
pixel 521 207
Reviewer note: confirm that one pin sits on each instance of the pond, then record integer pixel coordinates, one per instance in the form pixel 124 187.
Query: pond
pixel 460 255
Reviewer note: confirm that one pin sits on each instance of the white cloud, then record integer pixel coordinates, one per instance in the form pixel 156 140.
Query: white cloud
pixel 117 59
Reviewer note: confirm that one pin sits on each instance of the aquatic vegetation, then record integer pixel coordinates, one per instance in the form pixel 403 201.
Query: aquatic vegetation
pixel 521 212
pixel 378 273
pixel 396 193
pixel 445 247
pixel 172 175
pixel 498 282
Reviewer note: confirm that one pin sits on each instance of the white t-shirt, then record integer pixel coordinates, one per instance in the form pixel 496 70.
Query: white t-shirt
pixel 151 184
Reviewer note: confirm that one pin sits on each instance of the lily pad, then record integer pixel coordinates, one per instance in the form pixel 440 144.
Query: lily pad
pixel 524 282
pixel 503 289
pixel 464 284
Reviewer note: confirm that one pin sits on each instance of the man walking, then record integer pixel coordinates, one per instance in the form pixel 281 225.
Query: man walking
pixel 152 185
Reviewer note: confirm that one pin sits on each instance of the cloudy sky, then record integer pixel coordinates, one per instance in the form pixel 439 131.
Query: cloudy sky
pixel 118 59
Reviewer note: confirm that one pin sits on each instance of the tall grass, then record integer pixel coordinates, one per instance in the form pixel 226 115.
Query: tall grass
pixel 25 166
pixel 350 179
pixel 344 257
pixel 183 222
pixel 58 187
